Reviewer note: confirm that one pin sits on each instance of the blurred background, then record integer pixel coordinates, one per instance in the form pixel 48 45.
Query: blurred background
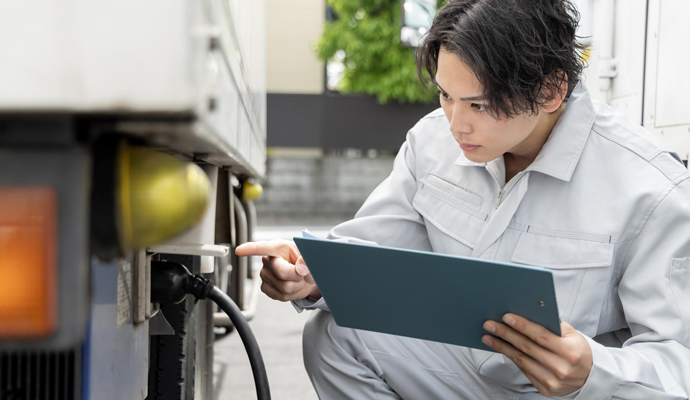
pixel 341 94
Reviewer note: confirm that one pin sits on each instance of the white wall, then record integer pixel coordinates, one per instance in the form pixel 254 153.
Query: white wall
pixel 293 27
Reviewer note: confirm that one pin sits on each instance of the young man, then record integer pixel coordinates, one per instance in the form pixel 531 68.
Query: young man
pixel 521 166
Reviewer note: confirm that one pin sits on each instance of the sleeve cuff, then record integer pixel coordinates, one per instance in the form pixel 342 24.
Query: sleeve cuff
pixel 602 381
pixel 308 304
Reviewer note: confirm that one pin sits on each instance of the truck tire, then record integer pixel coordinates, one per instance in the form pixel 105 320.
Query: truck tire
pixel 172 357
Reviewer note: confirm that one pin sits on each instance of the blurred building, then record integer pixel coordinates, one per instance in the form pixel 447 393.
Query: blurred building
pixel 327 151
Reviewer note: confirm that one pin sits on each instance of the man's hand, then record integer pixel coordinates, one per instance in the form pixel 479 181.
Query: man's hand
pixel 555 365
pixel 285 276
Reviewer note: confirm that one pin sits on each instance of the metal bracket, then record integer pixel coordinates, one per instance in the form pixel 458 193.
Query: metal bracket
pixel 158 325
pixel 141 287
pixel 191 249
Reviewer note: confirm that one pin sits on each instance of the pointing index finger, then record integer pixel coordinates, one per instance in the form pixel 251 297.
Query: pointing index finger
pixel 258 249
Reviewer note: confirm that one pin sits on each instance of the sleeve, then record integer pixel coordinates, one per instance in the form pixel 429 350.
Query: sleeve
pixel 387 217
pixel 654 291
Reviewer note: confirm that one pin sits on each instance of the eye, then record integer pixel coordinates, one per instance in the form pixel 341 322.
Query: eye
pixel 478 107
pixel 445 96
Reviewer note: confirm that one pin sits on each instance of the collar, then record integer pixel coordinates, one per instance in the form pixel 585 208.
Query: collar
pixel 563 148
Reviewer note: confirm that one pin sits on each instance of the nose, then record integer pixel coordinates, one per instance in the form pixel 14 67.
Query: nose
pixel 460 122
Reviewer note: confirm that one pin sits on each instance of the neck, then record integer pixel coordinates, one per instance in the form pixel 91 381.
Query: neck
pixel 520 158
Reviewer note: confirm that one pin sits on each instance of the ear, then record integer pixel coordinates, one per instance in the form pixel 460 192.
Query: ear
pixel 555 90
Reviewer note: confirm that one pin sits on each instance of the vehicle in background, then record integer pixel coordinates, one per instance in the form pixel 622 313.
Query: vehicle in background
pixel 129 132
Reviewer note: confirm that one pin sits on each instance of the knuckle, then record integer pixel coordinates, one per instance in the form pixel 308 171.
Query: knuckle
pixel 542 339
pixel 561 372
pixel 518 359
pixel 285 297
pixel 519 325
pixel 276 269
pixel 287 287
pixel 553 386
pixel 525 346
pixel 556 388
pixel 500 331
pixel 263 288
pixel 576 358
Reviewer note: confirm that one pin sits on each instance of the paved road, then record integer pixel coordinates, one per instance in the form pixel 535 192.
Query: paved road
pixel 278 329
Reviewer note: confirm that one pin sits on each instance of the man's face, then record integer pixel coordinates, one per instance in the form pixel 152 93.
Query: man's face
pixel 481 136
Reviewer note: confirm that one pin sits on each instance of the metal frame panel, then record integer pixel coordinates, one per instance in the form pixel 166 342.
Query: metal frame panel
pixel 673 57
pixel 116 360
pixel 629 21
pixel 666 110
pixel 629 46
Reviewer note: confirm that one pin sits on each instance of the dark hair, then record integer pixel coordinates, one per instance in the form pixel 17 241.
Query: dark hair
pixel 521 51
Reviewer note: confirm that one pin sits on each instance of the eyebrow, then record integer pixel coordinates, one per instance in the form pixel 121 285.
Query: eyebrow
pixel 471 98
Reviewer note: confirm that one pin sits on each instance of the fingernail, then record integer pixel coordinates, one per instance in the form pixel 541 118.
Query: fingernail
pixel 490 327
pixel 509 320
pixel 302 269
pixel 487 341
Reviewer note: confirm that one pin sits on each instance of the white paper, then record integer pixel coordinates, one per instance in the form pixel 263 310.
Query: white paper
pixel 309 235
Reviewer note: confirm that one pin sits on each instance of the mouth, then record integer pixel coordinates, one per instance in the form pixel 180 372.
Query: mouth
pixel 469 147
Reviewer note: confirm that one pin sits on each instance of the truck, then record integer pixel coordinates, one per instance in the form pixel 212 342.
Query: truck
pixel 131 134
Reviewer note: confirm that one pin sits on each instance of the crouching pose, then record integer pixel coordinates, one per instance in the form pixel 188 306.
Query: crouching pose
pixel 519 165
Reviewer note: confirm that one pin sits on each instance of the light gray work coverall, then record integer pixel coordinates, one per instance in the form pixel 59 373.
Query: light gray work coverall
pixel 604 206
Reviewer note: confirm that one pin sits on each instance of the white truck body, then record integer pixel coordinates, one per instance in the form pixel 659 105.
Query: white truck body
pixel 205 59
pixel 647 40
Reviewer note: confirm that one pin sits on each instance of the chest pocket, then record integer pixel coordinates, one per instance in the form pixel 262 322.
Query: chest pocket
pixel 580 268
pixel 452 214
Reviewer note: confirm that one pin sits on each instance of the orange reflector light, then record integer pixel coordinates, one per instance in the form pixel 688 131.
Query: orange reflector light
pixel 28 261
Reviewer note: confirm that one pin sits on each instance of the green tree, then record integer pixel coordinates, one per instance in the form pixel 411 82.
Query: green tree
pixel 367 32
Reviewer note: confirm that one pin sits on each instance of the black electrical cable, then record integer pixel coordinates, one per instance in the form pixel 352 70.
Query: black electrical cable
pixel 257 362
pixel 171 282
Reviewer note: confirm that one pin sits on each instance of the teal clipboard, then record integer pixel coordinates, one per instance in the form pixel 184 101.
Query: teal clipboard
pixel 425 295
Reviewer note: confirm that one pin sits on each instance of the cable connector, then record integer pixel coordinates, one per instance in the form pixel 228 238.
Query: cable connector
pixel 171 282
pixel 199 287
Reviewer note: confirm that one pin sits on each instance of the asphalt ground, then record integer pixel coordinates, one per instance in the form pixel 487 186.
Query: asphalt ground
pixel 278 329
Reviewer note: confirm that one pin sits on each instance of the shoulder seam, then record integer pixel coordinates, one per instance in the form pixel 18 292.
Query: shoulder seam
pixel 632 148
pixel 647 157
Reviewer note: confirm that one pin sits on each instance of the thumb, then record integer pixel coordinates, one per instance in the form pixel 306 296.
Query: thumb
pixel 567 329
pixel 302 270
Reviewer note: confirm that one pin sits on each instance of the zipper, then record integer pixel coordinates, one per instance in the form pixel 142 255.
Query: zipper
pixel 502 189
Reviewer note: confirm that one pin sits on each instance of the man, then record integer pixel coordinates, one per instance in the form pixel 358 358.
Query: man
pixel 521 166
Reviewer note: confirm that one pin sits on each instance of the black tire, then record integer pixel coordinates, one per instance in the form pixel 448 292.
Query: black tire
pixel 173 357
